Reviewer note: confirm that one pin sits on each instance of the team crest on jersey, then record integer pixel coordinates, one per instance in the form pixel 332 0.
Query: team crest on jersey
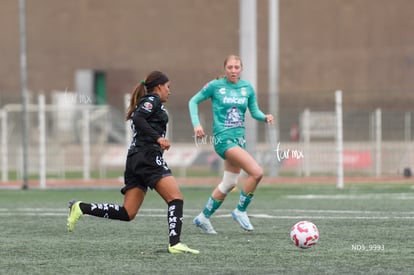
pixel 243 91
pixel 147 106
pixel 233 118
pixel 222 91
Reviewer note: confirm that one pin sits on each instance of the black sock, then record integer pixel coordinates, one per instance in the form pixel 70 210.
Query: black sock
pixel 175 220
pixel 105 210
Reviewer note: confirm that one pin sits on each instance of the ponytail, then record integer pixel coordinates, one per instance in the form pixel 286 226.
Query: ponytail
pixel 154 79
pixel 138 92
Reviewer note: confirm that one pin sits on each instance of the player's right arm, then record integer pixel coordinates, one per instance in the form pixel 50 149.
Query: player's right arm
pixel 205 93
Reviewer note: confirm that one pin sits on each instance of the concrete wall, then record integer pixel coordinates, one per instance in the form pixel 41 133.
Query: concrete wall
pixel 364 47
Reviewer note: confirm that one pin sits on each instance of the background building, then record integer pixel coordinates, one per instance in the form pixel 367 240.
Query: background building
pixel 363 47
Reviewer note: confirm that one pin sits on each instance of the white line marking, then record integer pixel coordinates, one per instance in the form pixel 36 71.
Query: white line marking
pixel 160 210
pixel 396 196
pixel 301 214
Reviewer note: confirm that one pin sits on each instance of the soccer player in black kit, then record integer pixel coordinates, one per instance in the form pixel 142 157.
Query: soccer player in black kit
pixel 145 166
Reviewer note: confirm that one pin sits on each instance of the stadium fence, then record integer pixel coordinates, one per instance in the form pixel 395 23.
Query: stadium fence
pixel 69 136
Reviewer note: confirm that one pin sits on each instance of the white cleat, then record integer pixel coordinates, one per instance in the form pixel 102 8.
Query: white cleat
pixel 242 219
pixel 204 223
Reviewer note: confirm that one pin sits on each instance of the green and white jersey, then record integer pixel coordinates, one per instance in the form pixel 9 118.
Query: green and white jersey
pixel 229 102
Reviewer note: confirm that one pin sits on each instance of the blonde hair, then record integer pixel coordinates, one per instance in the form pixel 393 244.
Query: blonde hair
pixel 232 56
pixel 229 57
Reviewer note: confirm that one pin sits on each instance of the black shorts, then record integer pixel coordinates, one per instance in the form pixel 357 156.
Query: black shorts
pixel 144 168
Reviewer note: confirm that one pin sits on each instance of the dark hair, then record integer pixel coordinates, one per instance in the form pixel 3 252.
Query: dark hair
pixel 154 79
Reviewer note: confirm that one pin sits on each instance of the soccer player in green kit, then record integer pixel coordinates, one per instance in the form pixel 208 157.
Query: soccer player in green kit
pixel 230 98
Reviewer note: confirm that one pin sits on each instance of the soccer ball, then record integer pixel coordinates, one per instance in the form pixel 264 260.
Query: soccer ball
pixel 304 234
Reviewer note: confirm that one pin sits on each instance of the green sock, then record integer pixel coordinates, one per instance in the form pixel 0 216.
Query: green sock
pixel 244 201
pixel 211 207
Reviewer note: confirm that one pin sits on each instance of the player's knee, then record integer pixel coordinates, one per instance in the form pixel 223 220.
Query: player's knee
pixel 229 182
pixel 257 174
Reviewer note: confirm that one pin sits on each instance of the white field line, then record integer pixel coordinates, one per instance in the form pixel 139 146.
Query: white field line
pixel 395 196
pixel 287 213
pixel 162 210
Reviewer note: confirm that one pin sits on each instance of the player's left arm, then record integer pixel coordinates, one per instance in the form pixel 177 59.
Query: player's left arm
pixel 144 111
pixel 255 111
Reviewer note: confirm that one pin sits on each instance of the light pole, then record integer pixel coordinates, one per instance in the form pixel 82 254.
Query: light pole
pixel 23 82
